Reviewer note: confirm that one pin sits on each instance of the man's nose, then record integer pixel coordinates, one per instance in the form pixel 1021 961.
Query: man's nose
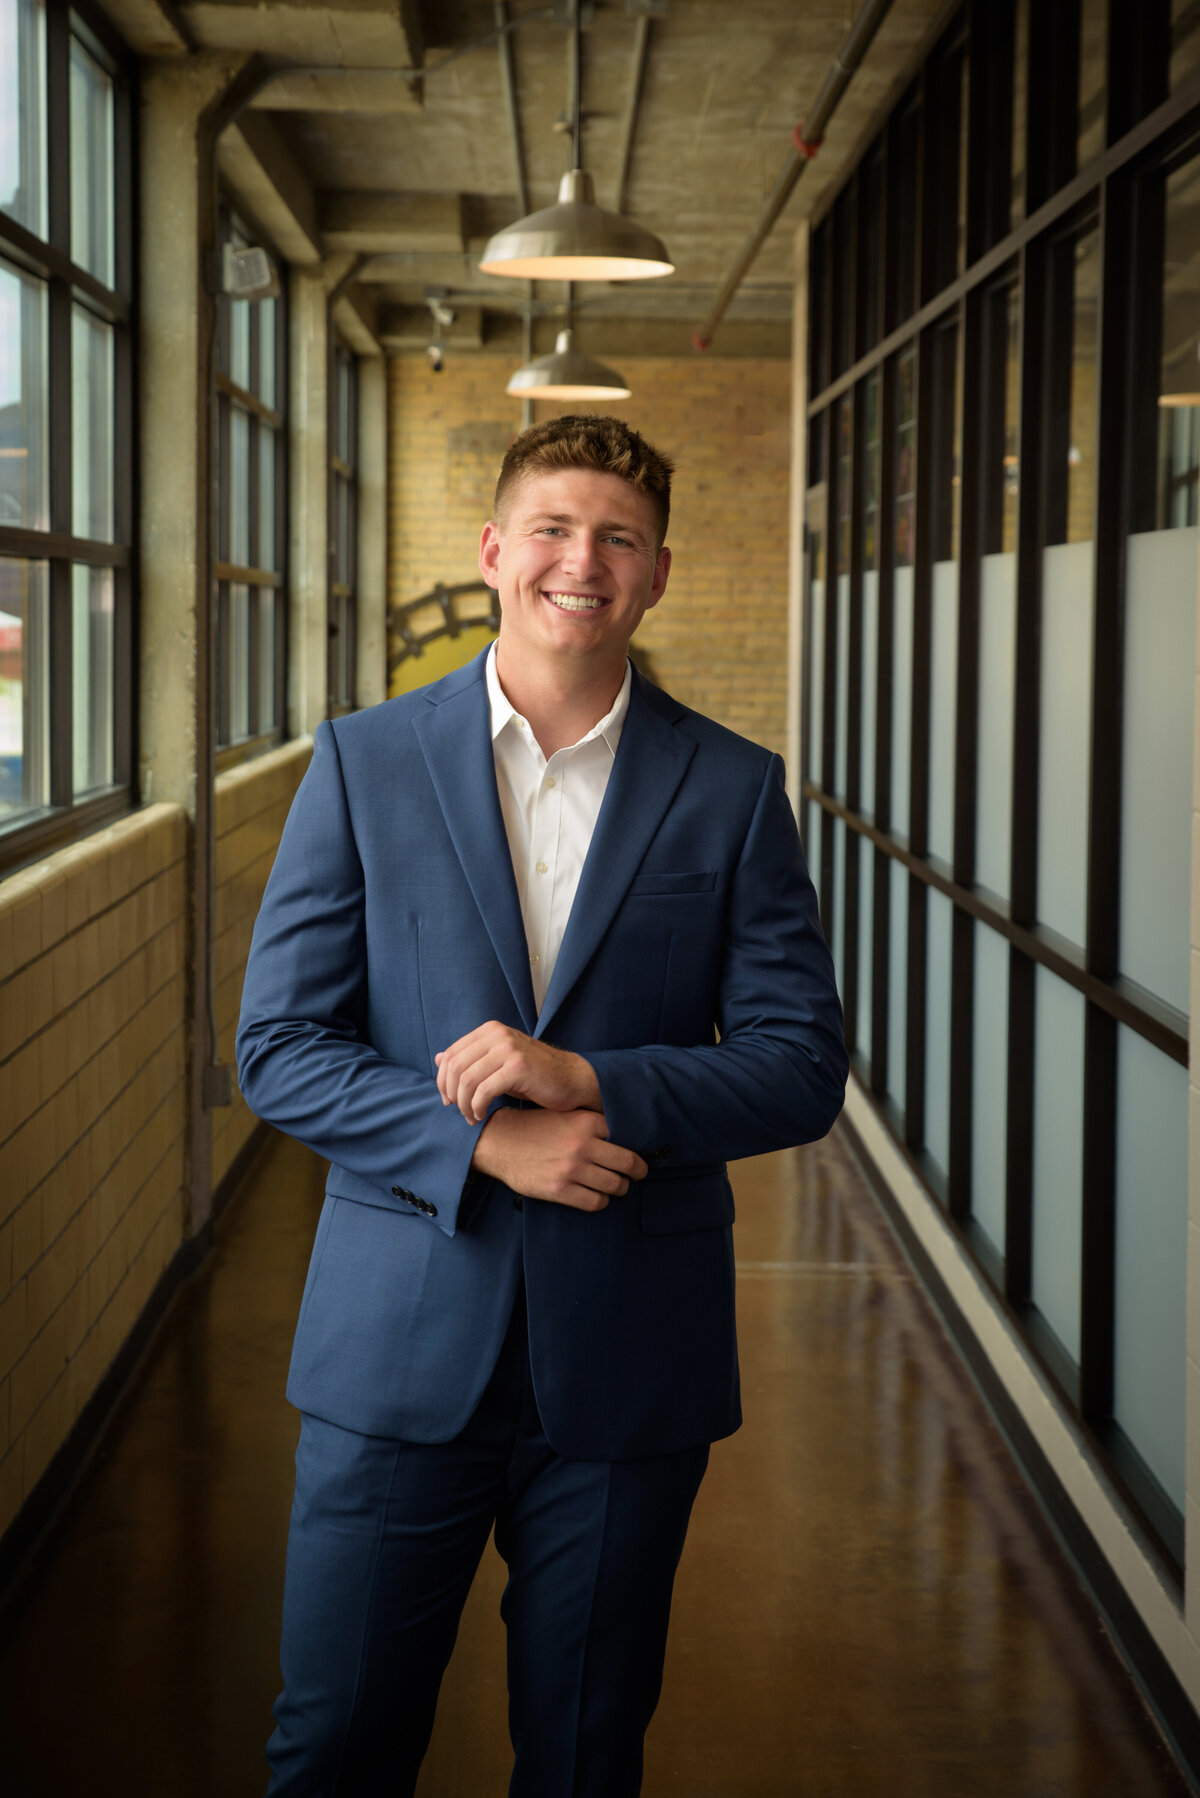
pixel 583 559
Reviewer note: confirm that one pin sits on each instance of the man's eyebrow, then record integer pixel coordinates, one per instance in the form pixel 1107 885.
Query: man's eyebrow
pixel 607 524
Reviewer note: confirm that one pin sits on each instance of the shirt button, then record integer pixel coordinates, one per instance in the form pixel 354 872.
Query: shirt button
pixel 550 781
pixel 520 723
pixel 534 960
pixel 542 868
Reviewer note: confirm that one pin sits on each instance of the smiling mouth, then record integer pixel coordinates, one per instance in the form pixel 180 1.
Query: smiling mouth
pixel 575 602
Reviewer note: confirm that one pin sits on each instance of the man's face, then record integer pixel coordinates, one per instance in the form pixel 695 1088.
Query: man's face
pixel 576 563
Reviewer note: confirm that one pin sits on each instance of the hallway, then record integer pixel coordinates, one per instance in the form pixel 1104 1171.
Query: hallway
pixel 869 1601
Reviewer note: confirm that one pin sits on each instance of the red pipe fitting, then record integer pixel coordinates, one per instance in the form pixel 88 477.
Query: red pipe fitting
pixel 807 146
pixel 699 340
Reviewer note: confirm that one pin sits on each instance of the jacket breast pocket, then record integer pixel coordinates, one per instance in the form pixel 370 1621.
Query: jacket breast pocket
pixel 671 886
pixel 671 1206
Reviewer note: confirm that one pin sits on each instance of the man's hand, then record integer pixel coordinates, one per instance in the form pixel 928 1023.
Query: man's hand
pixel 562 1156
pixel 495 1060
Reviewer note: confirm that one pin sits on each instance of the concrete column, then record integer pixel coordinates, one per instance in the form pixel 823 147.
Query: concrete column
pixel 182 105
pixel 797 499
pixel 372 530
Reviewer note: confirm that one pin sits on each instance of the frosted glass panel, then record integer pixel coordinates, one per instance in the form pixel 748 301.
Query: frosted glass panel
pixel 1066 699
pixel 843 685
pixel 866 943
pixel 1156 805
pixel 939 924
pixel 897 979
pixel 1151 1295
pixel 902 656
pixel 870 693
pixel 989 1085
pixel 812 846
pixel 837 924
pixel 1058 1155
pixel 997 654
pixel 943 684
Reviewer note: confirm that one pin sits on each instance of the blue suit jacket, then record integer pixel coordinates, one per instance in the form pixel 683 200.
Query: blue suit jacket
pixel 391 926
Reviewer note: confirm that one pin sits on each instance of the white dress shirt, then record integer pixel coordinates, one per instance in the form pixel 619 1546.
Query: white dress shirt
pixel 550 810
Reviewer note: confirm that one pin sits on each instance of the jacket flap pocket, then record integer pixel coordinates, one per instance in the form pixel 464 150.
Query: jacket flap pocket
pixel 670 1207
pixel 671 886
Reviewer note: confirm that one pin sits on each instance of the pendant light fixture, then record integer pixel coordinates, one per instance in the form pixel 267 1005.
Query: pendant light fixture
pixel 567 374
pixel 576 240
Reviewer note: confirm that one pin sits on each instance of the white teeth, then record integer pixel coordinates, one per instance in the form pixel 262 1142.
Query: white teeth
pixel 574 602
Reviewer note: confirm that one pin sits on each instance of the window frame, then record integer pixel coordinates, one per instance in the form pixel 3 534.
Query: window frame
pixel 343 478
pixel 38 831
pixel 229 397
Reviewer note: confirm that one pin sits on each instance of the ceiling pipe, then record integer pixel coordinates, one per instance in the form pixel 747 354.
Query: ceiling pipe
pixel 807 139
pixel 508 81
pixel 641 46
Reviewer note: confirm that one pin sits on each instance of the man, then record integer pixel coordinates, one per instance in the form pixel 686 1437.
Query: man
pixel 510 917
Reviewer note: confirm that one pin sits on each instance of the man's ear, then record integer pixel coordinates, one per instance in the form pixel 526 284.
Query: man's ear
pixel 489 553
pixel 658 581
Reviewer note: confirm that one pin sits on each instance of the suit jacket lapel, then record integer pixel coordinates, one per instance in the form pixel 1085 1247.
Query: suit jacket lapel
pixel 650 762
pixel 454 732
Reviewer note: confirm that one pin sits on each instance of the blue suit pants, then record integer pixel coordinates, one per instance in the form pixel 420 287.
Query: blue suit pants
pixel 385 1540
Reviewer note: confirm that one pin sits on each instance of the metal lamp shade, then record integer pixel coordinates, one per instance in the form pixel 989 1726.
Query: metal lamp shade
pixel 567 374
pixel 576 240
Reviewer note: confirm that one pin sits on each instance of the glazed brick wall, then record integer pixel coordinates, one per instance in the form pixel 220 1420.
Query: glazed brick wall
pixel 718 639
pixel 252 803
pixel 92 1073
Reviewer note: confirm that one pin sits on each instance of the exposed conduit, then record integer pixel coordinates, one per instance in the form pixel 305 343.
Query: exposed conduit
pixel 807 140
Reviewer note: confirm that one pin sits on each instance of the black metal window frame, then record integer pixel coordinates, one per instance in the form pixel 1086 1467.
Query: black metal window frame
pixel 48 259
pixel 1147 135
pixel 233 399
pixel 343 527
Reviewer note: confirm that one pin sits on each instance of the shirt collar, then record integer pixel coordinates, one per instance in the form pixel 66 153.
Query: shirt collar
pixel 503 712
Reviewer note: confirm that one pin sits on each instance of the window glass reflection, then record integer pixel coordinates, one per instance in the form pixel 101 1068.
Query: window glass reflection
pixel 239 661
pixel 23 183
pixel 92 446
pixel 24 688
pixel 266 314
pixel 91 166
pixel 24 486
pixel 92 673
pixel 1185 43
pixel 1093 79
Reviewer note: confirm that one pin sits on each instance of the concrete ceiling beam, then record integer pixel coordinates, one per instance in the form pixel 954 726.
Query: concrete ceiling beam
pixel 379 223
pixel 259 165
pixel 340 91
pixel 356 315
pixel 150 27
pixel 368 38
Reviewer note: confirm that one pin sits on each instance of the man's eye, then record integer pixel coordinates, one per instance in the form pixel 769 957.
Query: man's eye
pixel 623 541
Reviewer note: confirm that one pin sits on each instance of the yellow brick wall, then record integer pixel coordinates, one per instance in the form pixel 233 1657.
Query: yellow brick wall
pixel 251 804
pixel 92 1072
pixel 718 639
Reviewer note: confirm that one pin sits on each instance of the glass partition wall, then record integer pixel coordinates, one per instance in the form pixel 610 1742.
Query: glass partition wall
pixel 1002 539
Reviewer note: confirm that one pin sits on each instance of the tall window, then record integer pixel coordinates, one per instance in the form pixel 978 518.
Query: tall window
pixel 251 615
pixel 1004 539
pixel 66 452
pixel 343 528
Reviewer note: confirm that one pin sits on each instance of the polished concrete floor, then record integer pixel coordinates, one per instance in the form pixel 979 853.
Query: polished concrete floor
pixel 868 1604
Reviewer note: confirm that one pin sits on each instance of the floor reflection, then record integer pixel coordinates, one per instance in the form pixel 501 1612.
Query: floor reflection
pixel 869 1602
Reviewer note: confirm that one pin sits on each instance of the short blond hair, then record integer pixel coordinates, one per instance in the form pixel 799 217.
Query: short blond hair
pixel 588 440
